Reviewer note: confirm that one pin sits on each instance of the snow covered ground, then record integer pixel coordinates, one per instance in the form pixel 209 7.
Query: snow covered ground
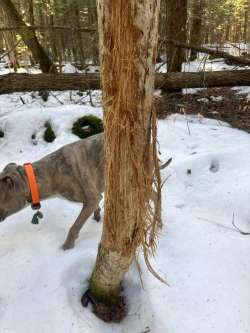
pixel 203 257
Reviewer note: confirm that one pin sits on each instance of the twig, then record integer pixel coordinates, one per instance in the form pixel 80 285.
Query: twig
pixel 238 229
pixel 161 65
pixel 56 98
pixel 11 50
pixel 22 100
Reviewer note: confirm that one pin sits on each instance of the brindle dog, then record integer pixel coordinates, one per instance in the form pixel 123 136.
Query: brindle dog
pixel 75 172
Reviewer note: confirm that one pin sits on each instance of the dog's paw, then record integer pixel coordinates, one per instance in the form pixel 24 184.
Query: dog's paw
pixel 97 218
pixel 68 246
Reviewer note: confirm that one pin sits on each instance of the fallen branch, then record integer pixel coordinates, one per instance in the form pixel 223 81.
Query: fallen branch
pixel 219 54
pixel 11 83
pixel 48 27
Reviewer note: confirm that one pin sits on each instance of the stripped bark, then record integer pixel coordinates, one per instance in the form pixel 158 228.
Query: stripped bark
pixel 128 45
pixel 11 83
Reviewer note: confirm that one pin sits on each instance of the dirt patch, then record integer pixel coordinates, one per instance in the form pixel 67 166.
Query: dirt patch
pixel 107 312
pixel 217 103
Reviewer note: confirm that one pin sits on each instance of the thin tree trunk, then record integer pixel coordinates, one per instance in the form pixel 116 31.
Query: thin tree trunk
pixel 28 37
pixel 128 44
pixel 195 33
pixel 10 41
pixel 177 30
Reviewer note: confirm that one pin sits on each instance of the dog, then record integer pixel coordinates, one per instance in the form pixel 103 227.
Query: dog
pixel 74 172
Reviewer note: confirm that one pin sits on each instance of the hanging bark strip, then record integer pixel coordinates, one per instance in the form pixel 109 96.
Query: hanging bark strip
pixel 11 83
pixel 128 48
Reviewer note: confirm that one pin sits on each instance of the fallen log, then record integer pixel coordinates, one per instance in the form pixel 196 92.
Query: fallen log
pixel 49 27
pixel 216 53
pixel 11 83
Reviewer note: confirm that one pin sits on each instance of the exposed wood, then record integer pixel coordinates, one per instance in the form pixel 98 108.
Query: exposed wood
pixel 128 33
pixel 219 54
pixel 11 83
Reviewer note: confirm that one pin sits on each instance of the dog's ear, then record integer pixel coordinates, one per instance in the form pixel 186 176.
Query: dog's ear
pixel 7 177
pixel 7 181
pixel 10 167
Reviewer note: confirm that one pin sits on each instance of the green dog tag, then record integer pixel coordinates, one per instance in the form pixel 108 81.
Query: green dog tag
pixel 36 217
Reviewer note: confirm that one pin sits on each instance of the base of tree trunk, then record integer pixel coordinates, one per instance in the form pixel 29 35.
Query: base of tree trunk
pixel 105 287
pixel 107 312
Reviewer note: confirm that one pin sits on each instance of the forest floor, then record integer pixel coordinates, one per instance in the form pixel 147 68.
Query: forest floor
pixel 222 104
pixel 202 253
pixel 204 246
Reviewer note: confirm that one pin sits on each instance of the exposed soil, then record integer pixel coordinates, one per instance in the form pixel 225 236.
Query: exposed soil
pixel 107 312
pixel 218 103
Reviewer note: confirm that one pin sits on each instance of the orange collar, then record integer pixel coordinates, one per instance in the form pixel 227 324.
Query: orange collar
pixel 33 185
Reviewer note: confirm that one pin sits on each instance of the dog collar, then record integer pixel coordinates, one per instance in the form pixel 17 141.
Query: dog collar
pixel 33 185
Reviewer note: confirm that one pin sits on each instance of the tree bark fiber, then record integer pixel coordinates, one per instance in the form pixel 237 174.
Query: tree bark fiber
pixel 128 48
pixel 11 83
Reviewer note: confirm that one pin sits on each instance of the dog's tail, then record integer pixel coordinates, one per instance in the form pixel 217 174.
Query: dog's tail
pixel 163 166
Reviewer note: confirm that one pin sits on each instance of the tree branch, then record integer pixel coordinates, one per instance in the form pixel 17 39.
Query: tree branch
pixel 48 27
pixel 216 53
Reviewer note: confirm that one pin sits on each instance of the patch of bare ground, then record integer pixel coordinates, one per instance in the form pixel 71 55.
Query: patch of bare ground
pixel 217 103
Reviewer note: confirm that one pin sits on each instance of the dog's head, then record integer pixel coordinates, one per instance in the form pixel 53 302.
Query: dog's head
pixel 12 192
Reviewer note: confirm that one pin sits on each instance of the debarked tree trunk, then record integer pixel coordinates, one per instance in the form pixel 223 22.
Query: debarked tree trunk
pixel 128 48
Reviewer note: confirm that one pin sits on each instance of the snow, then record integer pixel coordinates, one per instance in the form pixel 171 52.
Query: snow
pixel 203 257
pixel 243 91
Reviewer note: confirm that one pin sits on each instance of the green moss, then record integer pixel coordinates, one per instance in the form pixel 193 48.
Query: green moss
pixel 87 126
pixel 49 134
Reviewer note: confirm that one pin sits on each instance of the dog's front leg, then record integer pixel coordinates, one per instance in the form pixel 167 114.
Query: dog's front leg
pixel 73 233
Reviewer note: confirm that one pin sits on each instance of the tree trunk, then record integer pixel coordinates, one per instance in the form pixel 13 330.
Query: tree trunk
pixel 195 33
pixel 11 83
pixel 176 29
pixel 29 37
pixel 128 49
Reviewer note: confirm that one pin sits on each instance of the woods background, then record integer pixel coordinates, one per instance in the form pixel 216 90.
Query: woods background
pixel 67 30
